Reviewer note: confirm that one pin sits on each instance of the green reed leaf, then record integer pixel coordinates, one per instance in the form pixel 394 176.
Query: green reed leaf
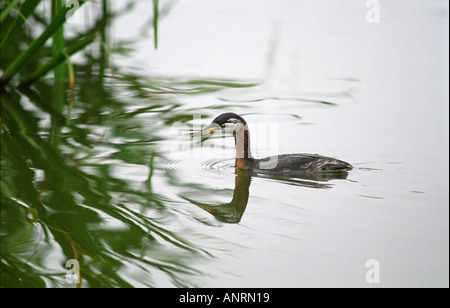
pixel 38 43
pixel 43 70
pixel 26 10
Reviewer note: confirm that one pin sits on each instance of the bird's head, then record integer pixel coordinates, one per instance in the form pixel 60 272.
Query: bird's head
pixel 227 122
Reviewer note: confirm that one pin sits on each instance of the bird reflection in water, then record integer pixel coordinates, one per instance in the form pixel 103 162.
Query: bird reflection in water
pixel 233 211
pixel 230 212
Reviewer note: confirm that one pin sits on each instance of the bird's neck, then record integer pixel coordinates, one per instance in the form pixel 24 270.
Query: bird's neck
pixel 243 155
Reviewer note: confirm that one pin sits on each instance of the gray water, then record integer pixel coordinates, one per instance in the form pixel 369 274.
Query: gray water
pixel 308 77
pixel 387 85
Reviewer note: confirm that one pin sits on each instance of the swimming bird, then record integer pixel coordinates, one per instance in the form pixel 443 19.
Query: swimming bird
pixel 279 164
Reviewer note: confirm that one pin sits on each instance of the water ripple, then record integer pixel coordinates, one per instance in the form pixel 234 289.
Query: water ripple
pixel 167 164
pixel 219 165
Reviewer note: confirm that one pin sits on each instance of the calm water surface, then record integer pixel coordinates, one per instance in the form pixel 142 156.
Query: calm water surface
pixel 122 189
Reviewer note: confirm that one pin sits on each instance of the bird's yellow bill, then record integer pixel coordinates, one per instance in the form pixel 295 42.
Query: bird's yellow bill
pixel 207 130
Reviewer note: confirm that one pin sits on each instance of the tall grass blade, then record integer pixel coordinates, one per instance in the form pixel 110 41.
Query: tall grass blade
pixel 58 40
pixel 25 10
pixel 9 7
pixel 155 21
pixel 72 84
pixel 26 56
pixel 43 70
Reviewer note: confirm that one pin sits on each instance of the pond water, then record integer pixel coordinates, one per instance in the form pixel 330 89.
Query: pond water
pixel 123 190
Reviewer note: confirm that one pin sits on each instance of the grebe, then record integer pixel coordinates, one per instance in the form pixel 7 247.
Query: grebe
pixel 287 163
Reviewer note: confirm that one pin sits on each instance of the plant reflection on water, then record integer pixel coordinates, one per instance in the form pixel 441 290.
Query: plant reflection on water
pixel 62 198
pixel 61 195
